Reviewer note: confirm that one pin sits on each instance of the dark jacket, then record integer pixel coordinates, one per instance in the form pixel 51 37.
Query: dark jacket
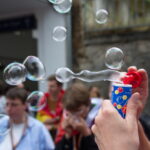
pixel 86 143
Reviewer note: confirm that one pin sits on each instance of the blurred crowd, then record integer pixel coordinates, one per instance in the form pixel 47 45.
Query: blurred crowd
pixel 64 123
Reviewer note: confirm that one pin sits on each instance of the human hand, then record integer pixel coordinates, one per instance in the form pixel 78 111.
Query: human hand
pixel 143 88
pixel 80 125
pixel 112 131
pixel 67 126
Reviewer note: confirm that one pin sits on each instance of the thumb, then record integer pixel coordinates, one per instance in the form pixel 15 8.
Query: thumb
pixel 132 108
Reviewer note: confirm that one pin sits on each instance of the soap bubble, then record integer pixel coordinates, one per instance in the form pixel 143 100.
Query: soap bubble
pixel 114 58
pixel 101 16
pixel 36 101
pixel 15 73
pixel 59 33
pixel 35 68
pixel 4 124
pixel 63 7
pixel 56 1
pixel 64 74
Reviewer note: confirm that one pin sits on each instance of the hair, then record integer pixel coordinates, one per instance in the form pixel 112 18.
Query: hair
pixel 17 93
pixel 76 96
pixel 53 78
pixel 97 92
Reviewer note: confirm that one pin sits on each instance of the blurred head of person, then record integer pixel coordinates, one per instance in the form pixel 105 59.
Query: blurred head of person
pixel 76 100
pixel 16 104
pixel 94 92
pixel 54 86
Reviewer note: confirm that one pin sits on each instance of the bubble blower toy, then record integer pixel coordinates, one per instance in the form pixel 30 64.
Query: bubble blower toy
pixel 121 93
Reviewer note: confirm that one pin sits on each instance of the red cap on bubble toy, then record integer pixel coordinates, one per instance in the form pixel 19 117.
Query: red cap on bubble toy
pixel 133 78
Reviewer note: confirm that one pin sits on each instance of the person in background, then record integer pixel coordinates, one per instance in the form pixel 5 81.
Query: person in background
pixel 25 133
pixel 94 92
pixel 50 115
pixel 95 95
pixel 96 102
pixel 74 133
pixel 115 133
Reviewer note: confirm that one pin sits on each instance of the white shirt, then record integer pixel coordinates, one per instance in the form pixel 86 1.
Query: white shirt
pixel 17 131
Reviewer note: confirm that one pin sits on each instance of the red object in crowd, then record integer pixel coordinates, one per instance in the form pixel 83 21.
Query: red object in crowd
pixel 59 108
pixel 61 132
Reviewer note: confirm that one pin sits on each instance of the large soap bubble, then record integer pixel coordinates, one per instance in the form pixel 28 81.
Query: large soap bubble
pixel 36 101
pixel 14 73
pixel 56 1
pixel 4 124
pixel 64 74
pixel 101 16
pixel 35 68
pixel 63 7
pixel 59 33
pixel 114 58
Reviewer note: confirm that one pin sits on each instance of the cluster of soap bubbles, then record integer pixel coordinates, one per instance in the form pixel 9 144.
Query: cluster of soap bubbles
pixel 62 7
pixel 15 73
pixel 113 60
pixel 32 69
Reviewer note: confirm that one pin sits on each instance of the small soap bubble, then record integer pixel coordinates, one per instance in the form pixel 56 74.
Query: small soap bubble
pixel 35 68
pixel 36 101
pixel 14 73
pixel 101 16
pixel 4 128
pixel 59 33
pixel 64 75
pixel 63 7
pixel 55 1
pixel 114 58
